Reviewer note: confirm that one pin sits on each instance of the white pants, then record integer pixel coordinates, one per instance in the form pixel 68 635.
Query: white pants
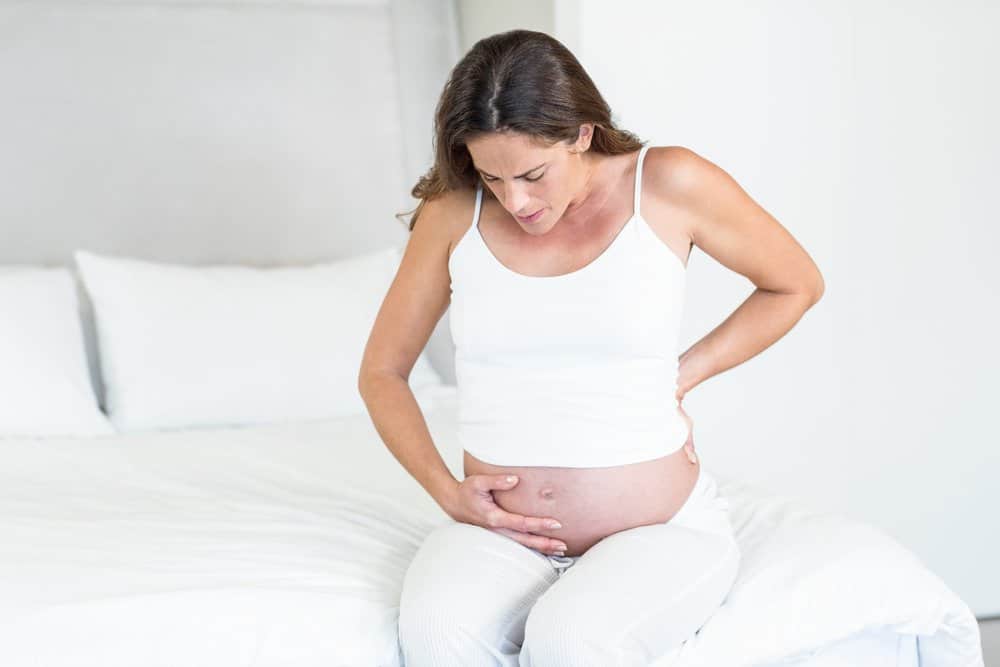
pixel 473 597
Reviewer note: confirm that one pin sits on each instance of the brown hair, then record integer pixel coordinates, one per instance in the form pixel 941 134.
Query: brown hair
pixel 521 81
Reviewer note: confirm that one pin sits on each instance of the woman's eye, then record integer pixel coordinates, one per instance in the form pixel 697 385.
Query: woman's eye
pixel 530 180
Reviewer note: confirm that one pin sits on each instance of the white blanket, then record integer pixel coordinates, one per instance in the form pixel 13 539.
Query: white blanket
pixel 286 545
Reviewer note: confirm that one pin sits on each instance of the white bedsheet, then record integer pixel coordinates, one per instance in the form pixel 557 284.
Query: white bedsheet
pixel 286 545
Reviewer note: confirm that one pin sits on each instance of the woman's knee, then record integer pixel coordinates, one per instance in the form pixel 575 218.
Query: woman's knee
pixel 583 625
pixel 460 605
pixel 559 633
pixel 432 632
pixel 437 582
pixel 431 605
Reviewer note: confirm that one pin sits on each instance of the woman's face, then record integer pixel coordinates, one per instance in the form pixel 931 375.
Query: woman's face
pixel 530 179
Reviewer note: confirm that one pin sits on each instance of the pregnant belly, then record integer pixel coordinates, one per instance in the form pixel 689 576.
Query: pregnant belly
pixel 592 503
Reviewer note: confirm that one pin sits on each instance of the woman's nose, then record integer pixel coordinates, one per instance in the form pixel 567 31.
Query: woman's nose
pixel 517 198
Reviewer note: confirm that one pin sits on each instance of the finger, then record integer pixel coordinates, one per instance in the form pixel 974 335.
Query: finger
pixel 486 483
pixel 501 482
pixel 689 449
pixel 526 524
pixel 543 544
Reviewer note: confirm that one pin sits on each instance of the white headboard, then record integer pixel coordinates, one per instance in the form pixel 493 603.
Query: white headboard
pixel 252 131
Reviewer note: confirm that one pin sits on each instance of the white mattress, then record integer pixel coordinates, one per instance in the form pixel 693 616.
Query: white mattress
pixel 287 544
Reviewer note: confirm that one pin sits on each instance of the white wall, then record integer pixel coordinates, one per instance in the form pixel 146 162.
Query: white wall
pixel 482 18
pixel 869 131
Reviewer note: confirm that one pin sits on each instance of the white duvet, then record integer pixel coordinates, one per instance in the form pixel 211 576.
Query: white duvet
pixel 286 545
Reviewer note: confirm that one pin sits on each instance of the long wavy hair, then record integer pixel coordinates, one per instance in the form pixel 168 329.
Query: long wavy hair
pixel 521 81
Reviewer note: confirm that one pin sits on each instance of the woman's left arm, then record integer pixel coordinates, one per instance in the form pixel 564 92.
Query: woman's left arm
pixel 725 222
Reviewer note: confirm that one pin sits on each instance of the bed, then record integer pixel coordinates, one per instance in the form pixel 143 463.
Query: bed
pixel 286 544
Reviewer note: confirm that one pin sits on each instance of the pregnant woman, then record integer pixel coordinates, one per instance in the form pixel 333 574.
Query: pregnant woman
pixel 585 530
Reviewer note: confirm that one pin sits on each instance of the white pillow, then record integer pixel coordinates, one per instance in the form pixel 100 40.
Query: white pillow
pixel 45 385
pixel 224 345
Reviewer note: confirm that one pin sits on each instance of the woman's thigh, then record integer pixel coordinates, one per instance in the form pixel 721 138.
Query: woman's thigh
pixel 466 596
pixel 639 593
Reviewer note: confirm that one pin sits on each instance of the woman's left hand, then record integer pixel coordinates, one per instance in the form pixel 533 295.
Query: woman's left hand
pixel 689 444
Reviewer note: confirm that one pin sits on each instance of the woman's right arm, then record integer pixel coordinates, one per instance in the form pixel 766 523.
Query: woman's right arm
pixel 416 300
pixel 401 425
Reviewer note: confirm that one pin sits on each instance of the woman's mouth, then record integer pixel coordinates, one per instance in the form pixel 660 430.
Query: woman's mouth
pixel 531 218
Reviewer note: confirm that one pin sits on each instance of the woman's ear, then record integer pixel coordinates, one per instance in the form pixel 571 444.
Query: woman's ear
pixel 583 138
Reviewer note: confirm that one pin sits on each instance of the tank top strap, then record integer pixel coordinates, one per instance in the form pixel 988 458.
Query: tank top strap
pixel 479 205
pixel 638 179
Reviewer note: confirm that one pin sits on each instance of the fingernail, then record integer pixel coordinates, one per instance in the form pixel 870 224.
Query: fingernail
pixel 559 553
pixel 555 524
pixel 511 479
pixel 561 547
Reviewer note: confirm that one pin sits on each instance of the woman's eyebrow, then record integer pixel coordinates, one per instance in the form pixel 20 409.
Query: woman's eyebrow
pixel 519 175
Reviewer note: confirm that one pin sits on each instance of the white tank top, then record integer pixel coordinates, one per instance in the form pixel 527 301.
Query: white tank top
pixel 576 370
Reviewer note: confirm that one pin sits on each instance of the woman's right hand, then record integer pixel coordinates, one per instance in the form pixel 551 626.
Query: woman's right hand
pixel 473 503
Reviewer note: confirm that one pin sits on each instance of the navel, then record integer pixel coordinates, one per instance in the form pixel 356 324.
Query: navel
pixel 547 494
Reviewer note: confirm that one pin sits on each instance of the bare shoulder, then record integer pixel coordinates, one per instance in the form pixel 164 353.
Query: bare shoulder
pixel 671 175
pixel 689 188
pixel 678 172
pixel 446 218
